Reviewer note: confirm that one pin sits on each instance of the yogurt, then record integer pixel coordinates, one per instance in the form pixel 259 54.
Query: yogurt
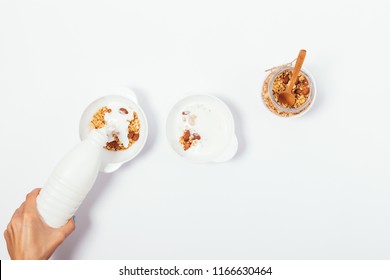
pixel 117 122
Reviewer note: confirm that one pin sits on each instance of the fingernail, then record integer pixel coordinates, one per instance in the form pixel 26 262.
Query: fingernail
pixel 74 219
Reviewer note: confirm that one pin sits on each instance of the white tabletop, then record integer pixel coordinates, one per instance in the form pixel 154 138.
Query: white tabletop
pixel 315 187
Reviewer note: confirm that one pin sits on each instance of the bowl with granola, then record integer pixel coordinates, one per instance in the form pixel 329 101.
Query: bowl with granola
pixel 126 125
pixel 200 128
pixel 304 92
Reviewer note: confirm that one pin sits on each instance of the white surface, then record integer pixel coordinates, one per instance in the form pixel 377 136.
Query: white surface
pixel 312 187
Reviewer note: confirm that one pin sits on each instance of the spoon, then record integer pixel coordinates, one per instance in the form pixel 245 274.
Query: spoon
pixel 286 97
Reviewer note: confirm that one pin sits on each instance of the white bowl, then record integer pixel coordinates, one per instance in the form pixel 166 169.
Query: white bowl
pixel 112 160
pixel 214 123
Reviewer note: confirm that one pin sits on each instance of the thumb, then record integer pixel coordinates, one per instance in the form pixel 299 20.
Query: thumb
pixel 69 227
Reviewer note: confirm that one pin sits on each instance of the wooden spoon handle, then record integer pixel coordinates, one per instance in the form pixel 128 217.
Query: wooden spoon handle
pixel 297 69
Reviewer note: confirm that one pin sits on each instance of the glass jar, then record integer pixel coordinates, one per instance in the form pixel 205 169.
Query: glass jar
pixel 274 84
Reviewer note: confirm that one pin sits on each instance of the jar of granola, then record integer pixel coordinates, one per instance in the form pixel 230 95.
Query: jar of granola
pixel 276 82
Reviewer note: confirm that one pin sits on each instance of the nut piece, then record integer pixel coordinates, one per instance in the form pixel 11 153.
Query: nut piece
pixel 298 91
pixel 113 144
pixel 186 135
pixel 187 145
pixel 192 119
pixel 123 111
pixel 286 79
pixel 305 91
pixel 135 137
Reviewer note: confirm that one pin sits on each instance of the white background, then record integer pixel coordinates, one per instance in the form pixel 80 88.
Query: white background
pixel 315 187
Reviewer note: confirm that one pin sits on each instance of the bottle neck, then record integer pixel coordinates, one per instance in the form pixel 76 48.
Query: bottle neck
pixel 98 137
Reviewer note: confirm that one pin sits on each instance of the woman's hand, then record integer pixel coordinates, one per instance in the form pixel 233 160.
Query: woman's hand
pixel 27 235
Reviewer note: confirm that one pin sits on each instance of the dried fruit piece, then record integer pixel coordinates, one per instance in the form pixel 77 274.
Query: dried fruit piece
pixel 196 136
pixel 130 134
pixel 123 111
pixel 298 91
pixel 286 79
pixel 186 113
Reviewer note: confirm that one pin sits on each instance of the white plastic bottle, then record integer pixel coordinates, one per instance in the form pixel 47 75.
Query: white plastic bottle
pixel 71 180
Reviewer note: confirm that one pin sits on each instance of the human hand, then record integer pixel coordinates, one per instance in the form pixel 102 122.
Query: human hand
pixel 27 235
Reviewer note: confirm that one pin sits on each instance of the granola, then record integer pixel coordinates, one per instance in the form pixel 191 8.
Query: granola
pixel 190 137
pixel 301 91
pixel 134 127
